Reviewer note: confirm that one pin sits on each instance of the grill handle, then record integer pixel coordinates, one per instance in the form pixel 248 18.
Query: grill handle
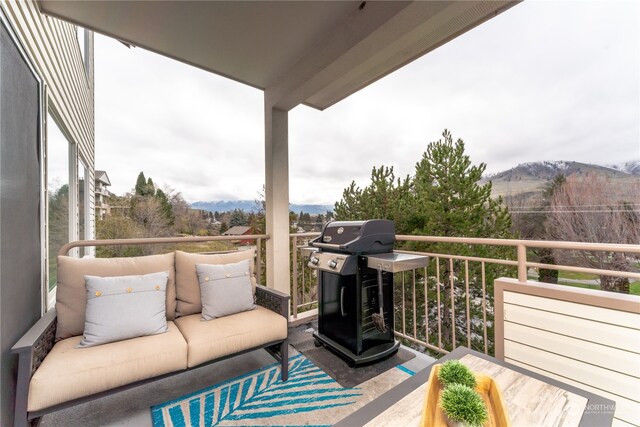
pixel 330 246
pixel 342 302
pixel 380 292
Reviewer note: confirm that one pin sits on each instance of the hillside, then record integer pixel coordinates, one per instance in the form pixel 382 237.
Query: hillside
pixel 251 206
pixel 531 177
pixel 632 168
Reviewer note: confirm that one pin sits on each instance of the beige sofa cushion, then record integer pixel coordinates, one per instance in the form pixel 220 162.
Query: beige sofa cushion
pixel 69 373
pixel 187 285
pixel 71 297
pixel 227 335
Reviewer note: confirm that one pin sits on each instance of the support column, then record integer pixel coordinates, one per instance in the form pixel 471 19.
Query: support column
pixel 277 196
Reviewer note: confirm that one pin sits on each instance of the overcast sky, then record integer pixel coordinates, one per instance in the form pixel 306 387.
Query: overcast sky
pixel 553 80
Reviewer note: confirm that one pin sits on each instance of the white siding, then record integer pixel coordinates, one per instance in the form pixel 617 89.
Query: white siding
pixel 595 348
pixel 53 48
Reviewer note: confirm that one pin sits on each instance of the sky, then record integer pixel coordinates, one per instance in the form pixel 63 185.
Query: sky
pixel 545 80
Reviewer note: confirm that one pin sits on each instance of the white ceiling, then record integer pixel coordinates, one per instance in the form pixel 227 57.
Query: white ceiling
pixel 311 52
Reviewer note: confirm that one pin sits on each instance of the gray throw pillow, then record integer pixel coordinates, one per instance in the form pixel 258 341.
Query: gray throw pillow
pixel 123 307
pixel 225 289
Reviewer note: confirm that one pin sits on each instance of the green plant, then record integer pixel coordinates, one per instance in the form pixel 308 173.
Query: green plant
pixel 462 403
pixel 454 372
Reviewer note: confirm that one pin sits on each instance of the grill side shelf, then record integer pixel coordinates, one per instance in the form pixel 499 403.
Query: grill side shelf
pixel 395 262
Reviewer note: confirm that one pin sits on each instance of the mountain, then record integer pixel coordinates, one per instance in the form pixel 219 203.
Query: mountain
pixel 251 206
pixel 531 177
pixel 226 205
pixel 632 167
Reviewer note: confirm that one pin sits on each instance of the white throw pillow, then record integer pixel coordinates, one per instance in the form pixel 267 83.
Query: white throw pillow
pixel 225 288
pixel 123 307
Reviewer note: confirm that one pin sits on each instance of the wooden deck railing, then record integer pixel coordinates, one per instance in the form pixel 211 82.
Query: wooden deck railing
pixel 450 302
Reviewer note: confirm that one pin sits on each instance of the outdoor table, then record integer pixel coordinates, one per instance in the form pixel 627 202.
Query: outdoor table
pixel 531 399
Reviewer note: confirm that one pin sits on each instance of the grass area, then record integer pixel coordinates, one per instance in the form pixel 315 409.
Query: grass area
pixel 577 276
pixel 205 246
pixel 634 287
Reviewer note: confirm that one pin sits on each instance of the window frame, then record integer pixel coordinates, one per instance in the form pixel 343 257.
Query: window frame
pixel 74 160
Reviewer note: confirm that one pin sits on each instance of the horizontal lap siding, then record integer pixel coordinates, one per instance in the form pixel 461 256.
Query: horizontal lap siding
pixel 53 48
pixel 594 348
pixel 608 358
pixel 598 314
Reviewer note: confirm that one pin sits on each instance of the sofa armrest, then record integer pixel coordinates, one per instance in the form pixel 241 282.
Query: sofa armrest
pixel 31 349
pixel 272 299
pixel 38 340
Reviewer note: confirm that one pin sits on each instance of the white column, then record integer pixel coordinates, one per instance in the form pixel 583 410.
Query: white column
pixel 277 196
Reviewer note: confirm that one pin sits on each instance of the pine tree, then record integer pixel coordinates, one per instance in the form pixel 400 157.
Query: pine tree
pixel 443 198
pixel 450 202
pixel 151 188
pixel 385 198
pixel 237 217
pixel 165 206
pixel 141 185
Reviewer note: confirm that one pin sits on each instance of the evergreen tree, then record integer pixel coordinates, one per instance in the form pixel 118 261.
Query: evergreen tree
pixel 444 198
pixel 450 202
pixel 165 206
pixel 385 198
pixel 141 185
pixel 151 188
pixel 237 217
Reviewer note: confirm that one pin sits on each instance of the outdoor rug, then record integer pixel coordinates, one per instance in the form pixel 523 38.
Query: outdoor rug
pixel 310 397
pixel 301 339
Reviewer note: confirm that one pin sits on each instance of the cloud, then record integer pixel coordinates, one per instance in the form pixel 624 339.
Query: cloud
pixel 542 81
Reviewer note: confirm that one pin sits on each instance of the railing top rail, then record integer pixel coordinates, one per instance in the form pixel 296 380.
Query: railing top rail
pixel 307 234
pixel 155 240
pixel 463 257
pixel 551 244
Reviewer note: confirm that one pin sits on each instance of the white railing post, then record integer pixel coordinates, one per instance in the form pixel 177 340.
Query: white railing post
pixel 522 263
pixel 294 287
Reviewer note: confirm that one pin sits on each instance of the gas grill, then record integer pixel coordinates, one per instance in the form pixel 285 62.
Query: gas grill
pixel 356 262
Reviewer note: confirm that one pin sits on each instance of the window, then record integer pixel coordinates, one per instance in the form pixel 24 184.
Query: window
pixel 58 198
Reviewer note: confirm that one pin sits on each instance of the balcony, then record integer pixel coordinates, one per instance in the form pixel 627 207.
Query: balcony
pixel 582 337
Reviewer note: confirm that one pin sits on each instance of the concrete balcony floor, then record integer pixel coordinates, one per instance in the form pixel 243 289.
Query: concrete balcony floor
pixel 132 407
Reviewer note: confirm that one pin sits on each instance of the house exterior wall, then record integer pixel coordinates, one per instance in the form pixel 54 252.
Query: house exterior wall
pixel 52 54
pixel 52 46
pixel 100 202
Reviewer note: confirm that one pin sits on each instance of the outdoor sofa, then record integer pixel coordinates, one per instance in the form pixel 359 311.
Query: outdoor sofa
pixel 62 361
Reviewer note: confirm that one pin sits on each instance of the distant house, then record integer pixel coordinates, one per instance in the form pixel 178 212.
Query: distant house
pixel 101 206
pixel 239 230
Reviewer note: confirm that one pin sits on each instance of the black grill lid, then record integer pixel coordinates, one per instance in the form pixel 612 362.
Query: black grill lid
pixel 357 237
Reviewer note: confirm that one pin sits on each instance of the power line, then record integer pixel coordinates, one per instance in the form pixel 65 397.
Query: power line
pixel 575 211
pixel 573 206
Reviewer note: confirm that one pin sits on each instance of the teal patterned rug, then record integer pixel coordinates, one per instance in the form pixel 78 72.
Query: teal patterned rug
pixel 260 398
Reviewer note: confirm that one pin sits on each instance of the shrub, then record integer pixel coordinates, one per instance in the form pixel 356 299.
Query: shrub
pixel 454 372
pixel 462 403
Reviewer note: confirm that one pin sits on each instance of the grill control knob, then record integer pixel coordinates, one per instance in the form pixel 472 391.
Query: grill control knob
pixel 314 260
pixel 333 264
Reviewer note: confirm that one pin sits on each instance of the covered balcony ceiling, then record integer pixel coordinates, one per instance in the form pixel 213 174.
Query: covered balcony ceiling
pixel 311 52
